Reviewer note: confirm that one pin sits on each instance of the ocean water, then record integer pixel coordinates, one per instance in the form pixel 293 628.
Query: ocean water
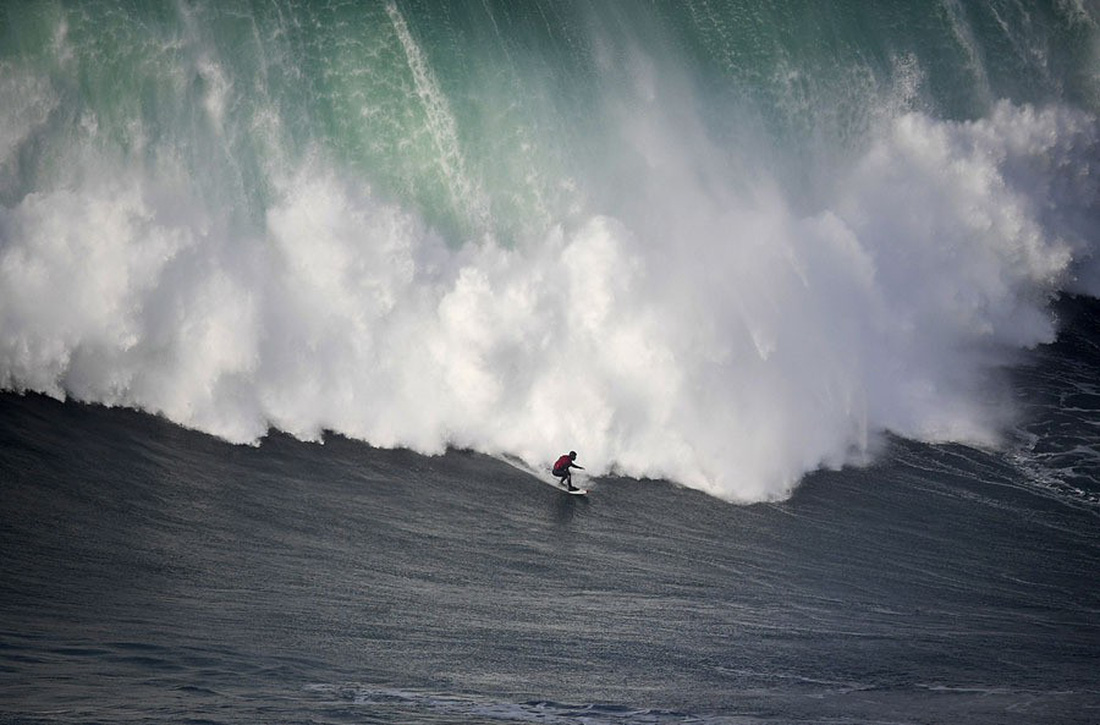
pixel 287 288
pixel 155 574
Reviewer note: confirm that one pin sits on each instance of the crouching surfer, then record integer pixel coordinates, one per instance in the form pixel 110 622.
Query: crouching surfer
pixel 561 470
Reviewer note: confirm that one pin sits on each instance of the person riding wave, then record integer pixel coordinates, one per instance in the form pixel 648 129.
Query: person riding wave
pixel 561 470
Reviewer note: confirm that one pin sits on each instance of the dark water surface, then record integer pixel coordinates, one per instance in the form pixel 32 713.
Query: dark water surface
pixel 151 573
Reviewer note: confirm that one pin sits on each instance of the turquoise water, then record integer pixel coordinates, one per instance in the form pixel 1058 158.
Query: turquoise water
pixel 675 234
pixel 476 113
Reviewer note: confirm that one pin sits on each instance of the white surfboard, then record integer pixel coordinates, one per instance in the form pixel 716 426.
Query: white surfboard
pixel 544 476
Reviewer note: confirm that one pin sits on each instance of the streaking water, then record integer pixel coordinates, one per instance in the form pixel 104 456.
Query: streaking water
pixel 680 235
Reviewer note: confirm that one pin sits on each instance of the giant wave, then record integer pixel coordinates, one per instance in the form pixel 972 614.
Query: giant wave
pixel 241 223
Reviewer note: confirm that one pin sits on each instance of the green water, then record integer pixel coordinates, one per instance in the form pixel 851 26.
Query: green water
pixel 501 119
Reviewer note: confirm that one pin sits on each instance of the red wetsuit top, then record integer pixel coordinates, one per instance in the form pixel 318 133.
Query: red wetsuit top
pixel 563 463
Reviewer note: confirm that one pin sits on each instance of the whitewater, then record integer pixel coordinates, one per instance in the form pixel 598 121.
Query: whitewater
pixel 695 242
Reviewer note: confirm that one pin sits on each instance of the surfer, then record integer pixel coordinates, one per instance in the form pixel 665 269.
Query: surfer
pixel 561 469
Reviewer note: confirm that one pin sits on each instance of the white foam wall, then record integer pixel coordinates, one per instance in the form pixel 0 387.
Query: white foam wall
pixel 707 333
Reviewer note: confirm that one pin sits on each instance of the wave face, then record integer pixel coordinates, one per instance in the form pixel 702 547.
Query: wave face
pixel 723 243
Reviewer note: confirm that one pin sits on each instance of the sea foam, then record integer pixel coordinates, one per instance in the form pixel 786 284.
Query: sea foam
pixel 711 327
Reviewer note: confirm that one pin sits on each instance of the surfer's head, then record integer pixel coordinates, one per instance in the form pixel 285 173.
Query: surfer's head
pixel 572 454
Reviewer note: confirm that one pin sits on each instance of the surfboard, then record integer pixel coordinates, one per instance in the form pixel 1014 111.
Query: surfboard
pixel 574 492
pixel 544 476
